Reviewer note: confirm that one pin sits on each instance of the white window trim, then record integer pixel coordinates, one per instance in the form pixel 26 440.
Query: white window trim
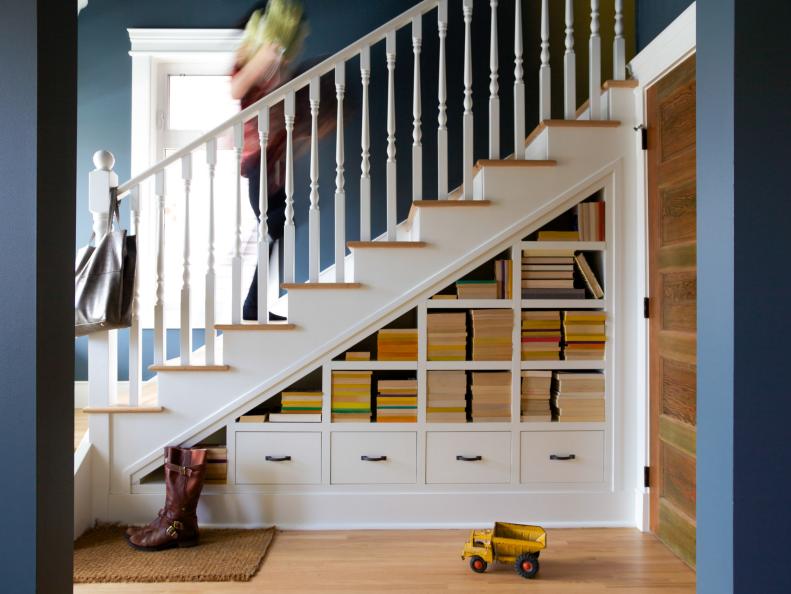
pixel 152 50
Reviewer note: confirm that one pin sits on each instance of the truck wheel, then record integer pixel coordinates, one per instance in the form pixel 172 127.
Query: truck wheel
pixel 526 565
pixel 477 564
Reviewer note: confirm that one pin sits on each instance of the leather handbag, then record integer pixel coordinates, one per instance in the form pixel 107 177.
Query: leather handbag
pixel 104 278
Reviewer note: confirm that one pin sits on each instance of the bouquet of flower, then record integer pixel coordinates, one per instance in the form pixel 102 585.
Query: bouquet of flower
pixel 280 24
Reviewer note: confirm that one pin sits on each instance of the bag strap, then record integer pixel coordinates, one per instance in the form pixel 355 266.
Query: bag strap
pixel 113 212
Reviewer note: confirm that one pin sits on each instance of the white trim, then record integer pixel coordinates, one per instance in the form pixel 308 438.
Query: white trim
pixel 83 504
pixel 671 47
pixel 80 394
pixel 168 41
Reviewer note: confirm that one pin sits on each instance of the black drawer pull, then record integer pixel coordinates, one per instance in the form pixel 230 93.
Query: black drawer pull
pixel 469 458
pixel 373 458
pixel 566 457
pixel 278 458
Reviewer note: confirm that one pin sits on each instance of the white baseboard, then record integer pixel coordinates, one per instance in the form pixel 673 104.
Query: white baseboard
pixel 80 394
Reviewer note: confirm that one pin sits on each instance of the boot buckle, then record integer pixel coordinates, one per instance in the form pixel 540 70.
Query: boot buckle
pixel 183 470
pixel 173 529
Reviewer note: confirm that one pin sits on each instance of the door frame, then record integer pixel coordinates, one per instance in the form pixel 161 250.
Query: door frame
pixel 669 49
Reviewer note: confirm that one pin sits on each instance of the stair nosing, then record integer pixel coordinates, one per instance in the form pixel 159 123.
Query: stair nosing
pixel 255 327
pixel 355 245
pixel 202 368
pixel 122 409
pixel 319 286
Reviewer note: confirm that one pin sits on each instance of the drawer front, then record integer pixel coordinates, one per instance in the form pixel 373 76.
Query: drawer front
pixel 562 457
pixel 470 457
pixel 265 458
pixel 373 458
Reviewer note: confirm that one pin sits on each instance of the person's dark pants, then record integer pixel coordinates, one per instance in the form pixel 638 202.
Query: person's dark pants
pixel 275 220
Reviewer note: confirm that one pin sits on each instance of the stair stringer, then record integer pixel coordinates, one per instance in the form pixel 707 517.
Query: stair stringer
pixel 197 405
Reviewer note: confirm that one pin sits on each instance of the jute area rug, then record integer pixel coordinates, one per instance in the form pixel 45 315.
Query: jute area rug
pixel 224 555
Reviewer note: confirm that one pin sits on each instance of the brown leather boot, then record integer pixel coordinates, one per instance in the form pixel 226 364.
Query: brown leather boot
pixel 177 522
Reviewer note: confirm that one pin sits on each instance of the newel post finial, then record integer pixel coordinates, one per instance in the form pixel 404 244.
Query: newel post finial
pixel 103 160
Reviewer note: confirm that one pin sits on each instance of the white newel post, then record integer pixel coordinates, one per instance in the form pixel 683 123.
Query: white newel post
pixel 314 215
pixel 390 52
pixel 159 300
pixel 544 72
pixel 594 77
pixel 262 296
pixel 519 85
pixel 365 146
pixel 494 99
pixel 185 329
pixel 289 230
pixel 210 334
pixel 467 147
pixel 619 44
pixel 102 346
pixel 569 67
pixel 236 260
pixel 442 97
pixel 135 332
pixel 340 192
pixel 417 147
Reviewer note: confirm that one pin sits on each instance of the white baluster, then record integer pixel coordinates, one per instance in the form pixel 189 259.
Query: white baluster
pixel 159 304
pixel 340 192
pixel 569 67
pixel 544 73
pixel 442 96
pixel 390 51
pixel 236 260
pixel 289 230
pixel 135 333
pixel 619 45
pixel 519 85
pixel 494 99
pixel 417 147
pixel 263 230
pixel 209 332
pixel 185 330
pixel 594 76
pixel 467 153
pixel 314 220
pixel 365 144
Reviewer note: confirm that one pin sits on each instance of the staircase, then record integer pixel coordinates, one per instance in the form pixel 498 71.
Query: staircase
pixel 373 282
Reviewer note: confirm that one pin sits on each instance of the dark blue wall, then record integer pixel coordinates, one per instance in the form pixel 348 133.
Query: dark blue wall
pixel 37 161
pixel 654 15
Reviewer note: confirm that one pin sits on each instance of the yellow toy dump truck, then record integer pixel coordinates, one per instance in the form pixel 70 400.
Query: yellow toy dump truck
pixel 518 544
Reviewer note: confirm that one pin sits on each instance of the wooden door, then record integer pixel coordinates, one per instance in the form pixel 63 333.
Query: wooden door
pixel 673 303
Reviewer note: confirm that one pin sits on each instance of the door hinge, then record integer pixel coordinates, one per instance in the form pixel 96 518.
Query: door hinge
pixel 643 136
pixel 646 476
pixel 646 307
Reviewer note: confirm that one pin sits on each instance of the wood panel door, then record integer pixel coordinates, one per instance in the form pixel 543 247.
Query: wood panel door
pixel 673 303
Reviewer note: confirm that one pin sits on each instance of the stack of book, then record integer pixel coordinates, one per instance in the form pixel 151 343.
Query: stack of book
pixel 298 407
pixel 590 221
pixel 397 344
pixel 396 401
pixel 587 274
pixel 549 274
pixel 476 289
pixel 447 397
pixel 549 235
pixel 579 397
pixel 584 335
pixel 447 336
pixel 358 356
pixel 491 396
pixel 351 396
pixel 492 334
pixel 536 396
pixel 503 276
pixel 540 335
pixel 216 464
pixel 262 418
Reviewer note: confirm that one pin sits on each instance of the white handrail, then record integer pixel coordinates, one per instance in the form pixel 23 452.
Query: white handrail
pixel 303 80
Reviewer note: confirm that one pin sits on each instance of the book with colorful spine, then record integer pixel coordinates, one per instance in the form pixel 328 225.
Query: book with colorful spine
pixel 299 407
pixel 396 344
pixel 492 334
pixel 396 401
pixel 579 397
pixel 491 397
pixel 584 335
pixel 476 289
pixel 536 396
pixel 351 396
pixel 503 275
pixel 541 335
pixel 447 336
pixel 446 396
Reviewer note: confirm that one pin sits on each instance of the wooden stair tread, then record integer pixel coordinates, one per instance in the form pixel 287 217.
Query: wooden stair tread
pixel 170 367
pixel 385 244
pixel 319 286
pixel 515 163
pixel 570 124
pixel 122 409
pixel 620 84
pixel 256 327
pixel 449 203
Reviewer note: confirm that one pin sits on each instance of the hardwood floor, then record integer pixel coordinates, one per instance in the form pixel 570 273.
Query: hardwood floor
pixel 576 561
pixel 80 426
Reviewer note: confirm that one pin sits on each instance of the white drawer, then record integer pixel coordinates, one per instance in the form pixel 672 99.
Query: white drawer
pixel 373 457
pixel 264 458
pixel 468 457
pixel 562 456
